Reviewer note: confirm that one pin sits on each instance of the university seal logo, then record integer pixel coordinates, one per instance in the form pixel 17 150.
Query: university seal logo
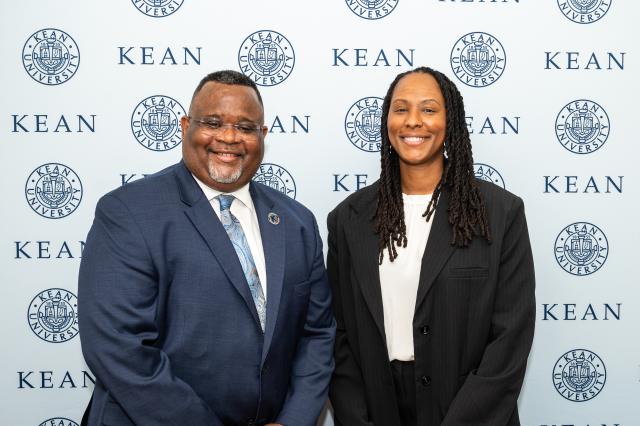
pixel 362 124
pixel 155 123
pixel 53 315
pixel 582 126
pixel 276 177
pixel 157 8
pixel 488 173
pixel 53 190
pixel 581 248
pixel 372 9
pixel 58 421
pixel 266 57
pixel 579 375
pixel 51 56
pixel 478 59
pixel 584 11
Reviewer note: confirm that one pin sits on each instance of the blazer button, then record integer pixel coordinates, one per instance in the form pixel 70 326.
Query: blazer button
pixel 425 329
pixel 425 380
pixel 251 422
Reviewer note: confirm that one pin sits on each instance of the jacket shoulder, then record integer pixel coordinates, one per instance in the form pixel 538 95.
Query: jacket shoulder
pixel 156 189
pixel 359 200
pixel 495 195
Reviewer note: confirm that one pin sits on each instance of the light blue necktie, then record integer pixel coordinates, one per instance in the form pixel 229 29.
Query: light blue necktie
pixel 239 240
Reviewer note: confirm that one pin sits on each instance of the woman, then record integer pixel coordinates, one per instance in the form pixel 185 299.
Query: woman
pixel 437 335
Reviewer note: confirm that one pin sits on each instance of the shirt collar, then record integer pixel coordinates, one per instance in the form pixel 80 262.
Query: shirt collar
pixel 242 193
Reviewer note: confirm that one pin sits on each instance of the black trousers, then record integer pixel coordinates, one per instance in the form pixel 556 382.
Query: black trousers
pixel 404 383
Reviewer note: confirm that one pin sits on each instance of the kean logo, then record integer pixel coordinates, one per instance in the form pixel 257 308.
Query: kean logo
pixel 584 11
pixel 582 126
pixel 266 57
pixel 478 59
pixel 51 56
pixel 362 124
pixel 157 8
pixel 53 191
pixel 372 9
pixel 579 375
pixel 155 123
pixel 581 248
pixel 58 421
pixel 276 177
pixel 53 315
pixel 488 174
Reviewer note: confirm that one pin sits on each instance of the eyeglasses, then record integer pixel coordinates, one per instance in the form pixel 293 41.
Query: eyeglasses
pixel 215 127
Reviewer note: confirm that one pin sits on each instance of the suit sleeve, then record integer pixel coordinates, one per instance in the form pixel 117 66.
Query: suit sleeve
pixel 118 305
pixel 347 388
pixel 314 354
pixel 489 395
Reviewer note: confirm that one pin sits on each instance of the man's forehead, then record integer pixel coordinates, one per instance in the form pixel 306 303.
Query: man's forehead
pixel 214 91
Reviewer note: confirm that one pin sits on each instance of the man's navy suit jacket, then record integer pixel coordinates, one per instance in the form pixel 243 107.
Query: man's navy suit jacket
pixel 167 321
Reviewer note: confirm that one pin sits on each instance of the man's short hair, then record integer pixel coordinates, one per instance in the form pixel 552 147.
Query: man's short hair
pixel 228 77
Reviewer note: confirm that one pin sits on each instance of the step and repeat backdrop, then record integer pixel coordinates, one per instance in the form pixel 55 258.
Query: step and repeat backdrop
pixel 92 96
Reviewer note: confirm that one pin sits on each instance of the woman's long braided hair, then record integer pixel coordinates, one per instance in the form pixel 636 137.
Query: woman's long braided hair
pixel 466 212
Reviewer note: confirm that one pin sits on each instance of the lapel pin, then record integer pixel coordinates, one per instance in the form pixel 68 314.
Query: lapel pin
pixel 273 218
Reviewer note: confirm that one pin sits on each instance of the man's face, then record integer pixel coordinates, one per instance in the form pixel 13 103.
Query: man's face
pixel 223 140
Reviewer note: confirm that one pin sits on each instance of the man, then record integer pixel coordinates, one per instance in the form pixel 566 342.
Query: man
pixel 203 295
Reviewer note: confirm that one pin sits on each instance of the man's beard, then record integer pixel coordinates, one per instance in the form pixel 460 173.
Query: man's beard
pixel 219 176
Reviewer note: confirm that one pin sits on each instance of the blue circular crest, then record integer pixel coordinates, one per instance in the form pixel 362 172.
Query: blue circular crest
pixel 51 56
pixel 276 177
pixel 53 315
pixel 488 174
pixel 53 190
pixel 584 11
pixel 362 124
pixel 58 421
pixel 478 59
pixel 266 57
pixel 157 8
pixel 155 123
pixel 372 9
pixel 579 375
pixel 582 126
pixel 581 248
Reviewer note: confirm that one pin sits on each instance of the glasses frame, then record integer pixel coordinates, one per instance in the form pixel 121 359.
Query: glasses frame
pixel 241 129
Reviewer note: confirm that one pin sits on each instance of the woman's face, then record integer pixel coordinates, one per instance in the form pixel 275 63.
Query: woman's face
pixel 417 120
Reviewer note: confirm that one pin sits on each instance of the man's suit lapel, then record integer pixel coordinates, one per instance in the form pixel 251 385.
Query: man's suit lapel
pixel 364 254
pixel 206 222
pixel 273 243
pixel 438 249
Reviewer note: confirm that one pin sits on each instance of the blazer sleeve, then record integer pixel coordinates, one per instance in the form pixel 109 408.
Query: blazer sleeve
pixel 489 395
pixel 313 362
pixel 118 304
pixel 347 392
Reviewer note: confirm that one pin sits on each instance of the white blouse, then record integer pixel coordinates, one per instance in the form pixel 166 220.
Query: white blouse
pixel 399 279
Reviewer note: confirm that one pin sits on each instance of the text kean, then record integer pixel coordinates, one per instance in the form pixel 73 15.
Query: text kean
pixel 372 58
pixel 150 55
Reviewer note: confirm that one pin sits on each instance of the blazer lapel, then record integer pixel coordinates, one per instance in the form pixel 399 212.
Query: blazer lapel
pixel 438 249
pixel 273 243
pixel 204 219
pixel 364 241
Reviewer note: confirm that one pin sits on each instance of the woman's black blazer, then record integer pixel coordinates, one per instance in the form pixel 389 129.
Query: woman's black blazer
pixel 472 327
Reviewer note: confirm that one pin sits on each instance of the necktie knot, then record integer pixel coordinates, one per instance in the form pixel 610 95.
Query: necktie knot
pixel 225 201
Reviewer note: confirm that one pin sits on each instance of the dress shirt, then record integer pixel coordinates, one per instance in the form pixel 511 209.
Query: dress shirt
pixel 242 208
pixel 399 279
